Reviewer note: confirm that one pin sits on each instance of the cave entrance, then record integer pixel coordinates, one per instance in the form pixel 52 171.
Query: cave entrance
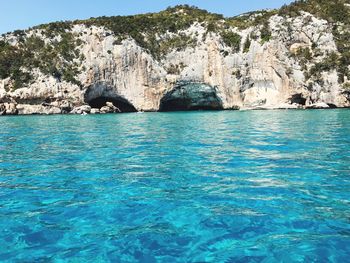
pixel 191 97
pixel 298 99
pixel 122 104
pixel 98 94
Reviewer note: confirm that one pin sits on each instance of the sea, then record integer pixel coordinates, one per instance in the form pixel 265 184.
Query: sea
pixel 206 186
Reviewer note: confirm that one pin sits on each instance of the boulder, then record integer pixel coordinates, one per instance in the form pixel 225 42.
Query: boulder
pixel 106 109
pixel 66 107
pixel 109 108
pixel 296 47
pixel 95 111
pixel 10 109
pixel 286 106
pixel 54 110
pixel 110 104
pixel 318 105
pixel 112 107
pixel 81 109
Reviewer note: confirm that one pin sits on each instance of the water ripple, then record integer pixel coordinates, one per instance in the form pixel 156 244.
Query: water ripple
pixel 260 186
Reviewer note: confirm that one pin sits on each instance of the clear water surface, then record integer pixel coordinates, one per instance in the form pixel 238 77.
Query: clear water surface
pixel 255 186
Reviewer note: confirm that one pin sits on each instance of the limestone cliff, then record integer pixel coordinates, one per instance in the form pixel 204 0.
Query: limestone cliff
pixel 181 58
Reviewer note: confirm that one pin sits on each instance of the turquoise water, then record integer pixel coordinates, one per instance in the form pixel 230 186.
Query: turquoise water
pixel 255 186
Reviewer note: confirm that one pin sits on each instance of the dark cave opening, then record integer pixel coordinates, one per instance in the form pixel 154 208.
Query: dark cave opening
pixel 332 106
pixel 298 99
pixel 187 105
pixel 191 97
pixel 122 104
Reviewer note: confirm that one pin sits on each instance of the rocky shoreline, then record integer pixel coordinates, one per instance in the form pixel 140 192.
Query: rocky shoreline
pixel 43 109
pixel 12 109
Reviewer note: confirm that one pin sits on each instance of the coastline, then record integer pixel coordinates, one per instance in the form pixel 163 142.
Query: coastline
pixel 55 112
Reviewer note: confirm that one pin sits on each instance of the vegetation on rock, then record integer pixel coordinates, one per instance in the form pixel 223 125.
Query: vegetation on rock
pixel 338 14
pixel 247 44
pixel 148 30
pixel 232 40
pixel 55 58
pixel 52 48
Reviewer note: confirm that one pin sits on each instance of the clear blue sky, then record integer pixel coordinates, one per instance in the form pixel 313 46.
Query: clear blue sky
pixel 21 14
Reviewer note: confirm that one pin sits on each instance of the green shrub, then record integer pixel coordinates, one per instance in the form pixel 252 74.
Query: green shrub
pixel 55 59
pixel 52 30
pixel 328 64
pixel 232 40
pixel 251 19
pixel 304 56
pixel 334 12
pixel 265 32
pixel 178 43
pixel 304 53
pixel 247 44
pixel 175 69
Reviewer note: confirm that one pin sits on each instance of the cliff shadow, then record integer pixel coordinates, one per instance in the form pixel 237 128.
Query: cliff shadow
pixel 191 97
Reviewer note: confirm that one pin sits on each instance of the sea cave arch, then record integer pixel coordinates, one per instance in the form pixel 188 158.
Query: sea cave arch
pixel 191 97
pixel 98 95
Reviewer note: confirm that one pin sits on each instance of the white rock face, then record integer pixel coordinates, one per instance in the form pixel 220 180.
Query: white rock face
pixel 265 76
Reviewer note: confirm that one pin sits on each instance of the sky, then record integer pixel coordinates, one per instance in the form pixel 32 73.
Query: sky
pixel 21 14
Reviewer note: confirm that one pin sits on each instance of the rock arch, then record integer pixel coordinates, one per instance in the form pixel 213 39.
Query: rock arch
pixel 191 96
pixel 98 95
